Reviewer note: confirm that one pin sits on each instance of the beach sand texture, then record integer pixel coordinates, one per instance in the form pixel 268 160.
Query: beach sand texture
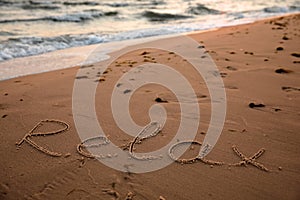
pixel 259 64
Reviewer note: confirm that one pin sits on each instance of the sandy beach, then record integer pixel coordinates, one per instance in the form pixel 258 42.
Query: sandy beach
pixel 259 64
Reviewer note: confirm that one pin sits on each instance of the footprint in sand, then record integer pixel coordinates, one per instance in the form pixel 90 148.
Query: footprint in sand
pixel 297 55
pixel 78 193
pixel 250 53
pixel 81 77
pixel 231 68
pixel 289 89
pixel 223 74
pixel 279 49
pixel 4 189
pixel 276 109
pixel 283 71
pixel 100 80
pixel 256 105
pixel 160 100
pixel 3 106
pixel 112 193
pixel 232 87
pixel 4 116
pixel 285 37
pixel 61 184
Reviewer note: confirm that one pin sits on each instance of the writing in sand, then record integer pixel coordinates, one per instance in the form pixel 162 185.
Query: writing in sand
pixel 81 148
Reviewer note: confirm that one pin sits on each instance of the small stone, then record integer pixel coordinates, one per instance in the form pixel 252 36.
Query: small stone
pixel 280 168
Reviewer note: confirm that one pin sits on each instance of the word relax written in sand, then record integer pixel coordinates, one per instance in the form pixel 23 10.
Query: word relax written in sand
pixel 81 148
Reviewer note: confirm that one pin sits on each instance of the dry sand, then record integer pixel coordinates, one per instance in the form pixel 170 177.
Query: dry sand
pixel 259 64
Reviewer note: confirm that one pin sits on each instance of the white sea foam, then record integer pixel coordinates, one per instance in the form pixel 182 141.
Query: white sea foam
pixel 66 58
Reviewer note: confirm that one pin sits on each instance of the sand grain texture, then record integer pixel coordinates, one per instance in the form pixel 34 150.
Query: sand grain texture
pixel 247 57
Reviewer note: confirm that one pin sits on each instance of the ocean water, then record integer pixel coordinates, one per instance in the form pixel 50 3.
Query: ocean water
pixel 35 27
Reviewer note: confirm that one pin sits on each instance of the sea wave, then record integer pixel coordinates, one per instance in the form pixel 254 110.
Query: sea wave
pixel 117 4
pixel 73 17
pixel 42 7
pixel 76 3
pixel 201 9
pixel 3 2
pixel 278 9
pixel 6 33
pixel 27 46
pixel 156 16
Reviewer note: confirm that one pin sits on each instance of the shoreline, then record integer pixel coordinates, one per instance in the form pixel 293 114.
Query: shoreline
pixel 259 65
pixel 71 57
